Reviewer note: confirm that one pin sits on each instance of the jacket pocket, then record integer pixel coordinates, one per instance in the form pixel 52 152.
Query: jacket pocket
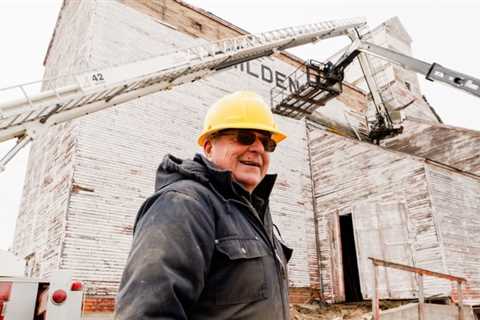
pixel 240 276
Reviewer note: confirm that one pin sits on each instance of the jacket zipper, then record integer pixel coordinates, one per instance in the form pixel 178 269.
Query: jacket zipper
pixel 272 247
pixel 281 279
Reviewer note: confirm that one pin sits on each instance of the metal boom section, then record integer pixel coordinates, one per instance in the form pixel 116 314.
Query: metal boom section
pixel 99 89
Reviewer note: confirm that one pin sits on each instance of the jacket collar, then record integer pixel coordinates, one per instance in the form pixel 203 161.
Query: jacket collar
pixel 224 183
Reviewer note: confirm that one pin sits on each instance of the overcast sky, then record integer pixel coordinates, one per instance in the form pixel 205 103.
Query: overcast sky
pixel 442 31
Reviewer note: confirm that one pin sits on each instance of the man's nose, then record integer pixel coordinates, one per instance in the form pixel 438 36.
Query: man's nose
pixel 257 146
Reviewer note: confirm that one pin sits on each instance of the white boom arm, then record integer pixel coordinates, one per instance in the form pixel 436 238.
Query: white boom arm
pixel 323 82
pixel 432 72
pixel 99 89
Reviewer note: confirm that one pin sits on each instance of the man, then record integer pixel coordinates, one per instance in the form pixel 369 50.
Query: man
pixel 204 245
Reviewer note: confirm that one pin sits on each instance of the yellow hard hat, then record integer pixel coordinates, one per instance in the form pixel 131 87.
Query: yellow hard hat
pixel 239 110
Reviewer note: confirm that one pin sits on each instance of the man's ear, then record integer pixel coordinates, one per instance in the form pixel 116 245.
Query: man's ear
pixel 207 148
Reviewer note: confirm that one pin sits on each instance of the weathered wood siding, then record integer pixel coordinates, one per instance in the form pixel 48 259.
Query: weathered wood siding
pixel 456 207
pixel 41 220
pixel 453 146
pixel 179 14
pixel 381 231
pixel 347 173
pixel 194 21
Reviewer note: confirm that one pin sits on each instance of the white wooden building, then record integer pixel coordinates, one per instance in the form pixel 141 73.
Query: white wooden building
pixel 87 178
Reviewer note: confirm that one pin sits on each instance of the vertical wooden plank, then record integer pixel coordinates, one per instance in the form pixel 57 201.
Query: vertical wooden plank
pixel 383 245
pixel 421 298
pixel 460 301
pixel 407 246
pixel 365 225
pixel 375 301
pixel 337 262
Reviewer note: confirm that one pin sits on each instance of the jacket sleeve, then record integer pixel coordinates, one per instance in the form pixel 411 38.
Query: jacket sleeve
pixel 165 272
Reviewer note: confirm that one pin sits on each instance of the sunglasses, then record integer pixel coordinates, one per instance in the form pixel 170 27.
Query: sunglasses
pixel 248 137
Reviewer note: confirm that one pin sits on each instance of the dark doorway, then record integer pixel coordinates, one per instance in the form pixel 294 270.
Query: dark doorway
pixel 351 277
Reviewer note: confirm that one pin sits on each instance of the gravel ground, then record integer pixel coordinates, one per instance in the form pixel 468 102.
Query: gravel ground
pixel 340 311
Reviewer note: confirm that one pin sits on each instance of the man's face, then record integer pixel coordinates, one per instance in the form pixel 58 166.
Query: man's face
pixel 248 163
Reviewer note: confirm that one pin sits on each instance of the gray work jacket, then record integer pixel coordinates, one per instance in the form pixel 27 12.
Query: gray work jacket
pixel 204 248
